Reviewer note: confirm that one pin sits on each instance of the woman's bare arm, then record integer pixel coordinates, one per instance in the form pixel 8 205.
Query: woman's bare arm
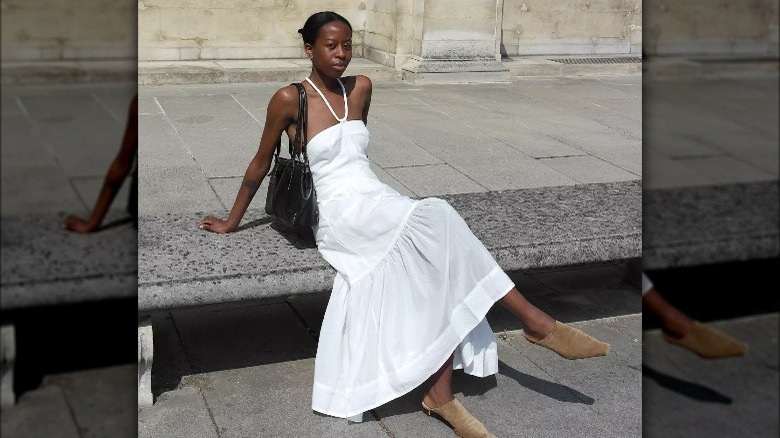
pixel 365 84
pixel 282 110
pixel 114 178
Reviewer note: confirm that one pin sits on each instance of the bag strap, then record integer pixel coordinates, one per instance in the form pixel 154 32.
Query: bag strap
pixel 298 145
pixel 300 126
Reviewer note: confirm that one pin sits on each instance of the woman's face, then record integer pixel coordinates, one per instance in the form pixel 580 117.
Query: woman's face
pixel 332 50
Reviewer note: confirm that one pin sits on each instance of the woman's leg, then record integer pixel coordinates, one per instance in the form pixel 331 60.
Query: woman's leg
pixel 440 392
pixel 543 330
pixel 537 323
pixel 439 400
pixel 673 322
pixel 680 329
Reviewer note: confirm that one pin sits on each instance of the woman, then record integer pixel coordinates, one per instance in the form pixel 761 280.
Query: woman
pixel 413 284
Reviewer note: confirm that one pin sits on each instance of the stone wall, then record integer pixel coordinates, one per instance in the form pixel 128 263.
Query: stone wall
pixel 455 29
pixel 36 30
pixel 571 27
pixel 234 29
pixel 381 38
pixel 387 31
pixel 715 27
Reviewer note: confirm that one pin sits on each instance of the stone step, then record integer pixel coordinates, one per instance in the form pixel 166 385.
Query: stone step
pixel 554 65
pixel 67 72
pixel 266 70
pixel 244 71
pixel 709 67
pixel 282 70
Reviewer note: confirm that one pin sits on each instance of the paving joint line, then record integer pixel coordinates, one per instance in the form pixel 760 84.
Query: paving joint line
pixel 311 331
pixel 192 371
pixel 81 430
pixel 191 154
pixel 567 388
pixel 105 107
pixel 78 194
pixel 385 428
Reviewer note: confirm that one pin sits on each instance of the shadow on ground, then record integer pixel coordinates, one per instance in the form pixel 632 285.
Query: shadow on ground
pixel 215 338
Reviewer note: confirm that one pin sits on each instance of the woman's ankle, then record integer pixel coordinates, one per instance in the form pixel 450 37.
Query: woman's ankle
pixel 436 399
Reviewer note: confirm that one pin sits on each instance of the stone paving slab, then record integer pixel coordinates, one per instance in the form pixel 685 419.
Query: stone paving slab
pixel 98 403
pixel 733 397
pixel 181 414
pixel 249 389
pixel 720 130
pixel 83 404
pixel 24 419
pixel 481 132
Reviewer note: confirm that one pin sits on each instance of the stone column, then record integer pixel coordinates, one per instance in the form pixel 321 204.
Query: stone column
pixel 449 41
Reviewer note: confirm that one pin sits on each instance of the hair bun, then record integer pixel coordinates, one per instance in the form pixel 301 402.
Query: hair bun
pixel 300 31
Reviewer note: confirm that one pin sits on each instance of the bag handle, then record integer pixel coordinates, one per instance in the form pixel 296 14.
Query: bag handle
pixel 299 144
pixel 300 127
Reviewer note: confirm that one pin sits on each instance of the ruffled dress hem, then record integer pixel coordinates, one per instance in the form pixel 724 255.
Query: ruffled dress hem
pixel 465 318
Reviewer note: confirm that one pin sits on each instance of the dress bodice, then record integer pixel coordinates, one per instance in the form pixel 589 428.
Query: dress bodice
pixel 338 160
pixel 359 216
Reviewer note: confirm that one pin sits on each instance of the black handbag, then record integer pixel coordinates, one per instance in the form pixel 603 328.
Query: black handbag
pixel 291 199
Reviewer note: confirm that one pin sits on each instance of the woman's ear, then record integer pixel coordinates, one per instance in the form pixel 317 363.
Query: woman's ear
pixel 309 50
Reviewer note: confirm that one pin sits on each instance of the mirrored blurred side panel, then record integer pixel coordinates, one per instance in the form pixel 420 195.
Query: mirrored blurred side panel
pixel 67 217
pixel 710 221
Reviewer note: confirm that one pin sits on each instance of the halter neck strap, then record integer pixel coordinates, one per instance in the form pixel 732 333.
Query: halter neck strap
pixel 343 90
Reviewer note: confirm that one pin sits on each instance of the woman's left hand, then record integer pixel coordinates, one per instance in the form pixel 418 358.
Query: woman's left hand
pixel 78 225
pixel 215 225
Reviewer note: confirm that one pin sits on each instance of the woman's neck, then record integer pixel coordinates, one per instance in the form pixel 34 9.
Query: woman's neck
pixel 331 84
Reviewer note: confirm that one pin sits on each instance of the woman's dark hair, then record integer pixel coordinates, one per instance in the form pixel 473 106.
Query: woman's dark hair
pixel 311 28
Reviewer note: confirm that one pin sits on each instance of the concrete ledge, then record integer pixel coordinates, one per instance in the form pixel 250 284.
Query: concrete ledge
pixel 710 224
pixel 67 72
pixel 544 66
pixel 181 266
pixel 280 70
pixel 45 265
pixel 243 71
pixel 709 67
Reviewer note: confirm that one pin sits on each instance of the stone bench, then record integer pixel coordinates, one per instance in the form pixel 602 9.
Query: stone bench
pixel 42 265
pixel 691 226
pixel 182 266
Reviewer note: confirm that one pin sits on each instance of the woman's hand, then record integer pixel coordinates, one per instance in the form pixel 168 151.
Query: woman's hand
pixel 78 225
pixel 215 225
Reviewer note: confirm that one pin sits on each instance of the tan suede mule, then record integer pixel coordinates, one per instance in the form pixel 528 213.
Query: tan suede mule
pixel 463 423
pixel 571 343
pixel 709 343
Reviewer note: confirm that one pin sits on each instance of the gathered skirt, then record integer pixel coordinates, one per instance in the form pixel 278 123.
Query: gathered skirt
pixel 388 330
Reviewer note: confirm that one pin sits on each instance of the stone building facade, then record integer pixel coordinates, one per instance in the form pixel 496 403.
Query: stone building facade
pixel 417 35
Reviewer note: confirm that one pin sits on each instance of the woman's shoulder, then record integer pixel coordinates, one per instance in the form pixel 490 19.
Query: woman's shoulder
pixel 288 93
pixel 362 82
pixel 284 102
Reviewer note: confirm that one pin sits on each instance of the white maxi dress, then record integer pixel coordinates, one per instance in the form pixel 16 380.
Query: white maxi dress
pixel 413 284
